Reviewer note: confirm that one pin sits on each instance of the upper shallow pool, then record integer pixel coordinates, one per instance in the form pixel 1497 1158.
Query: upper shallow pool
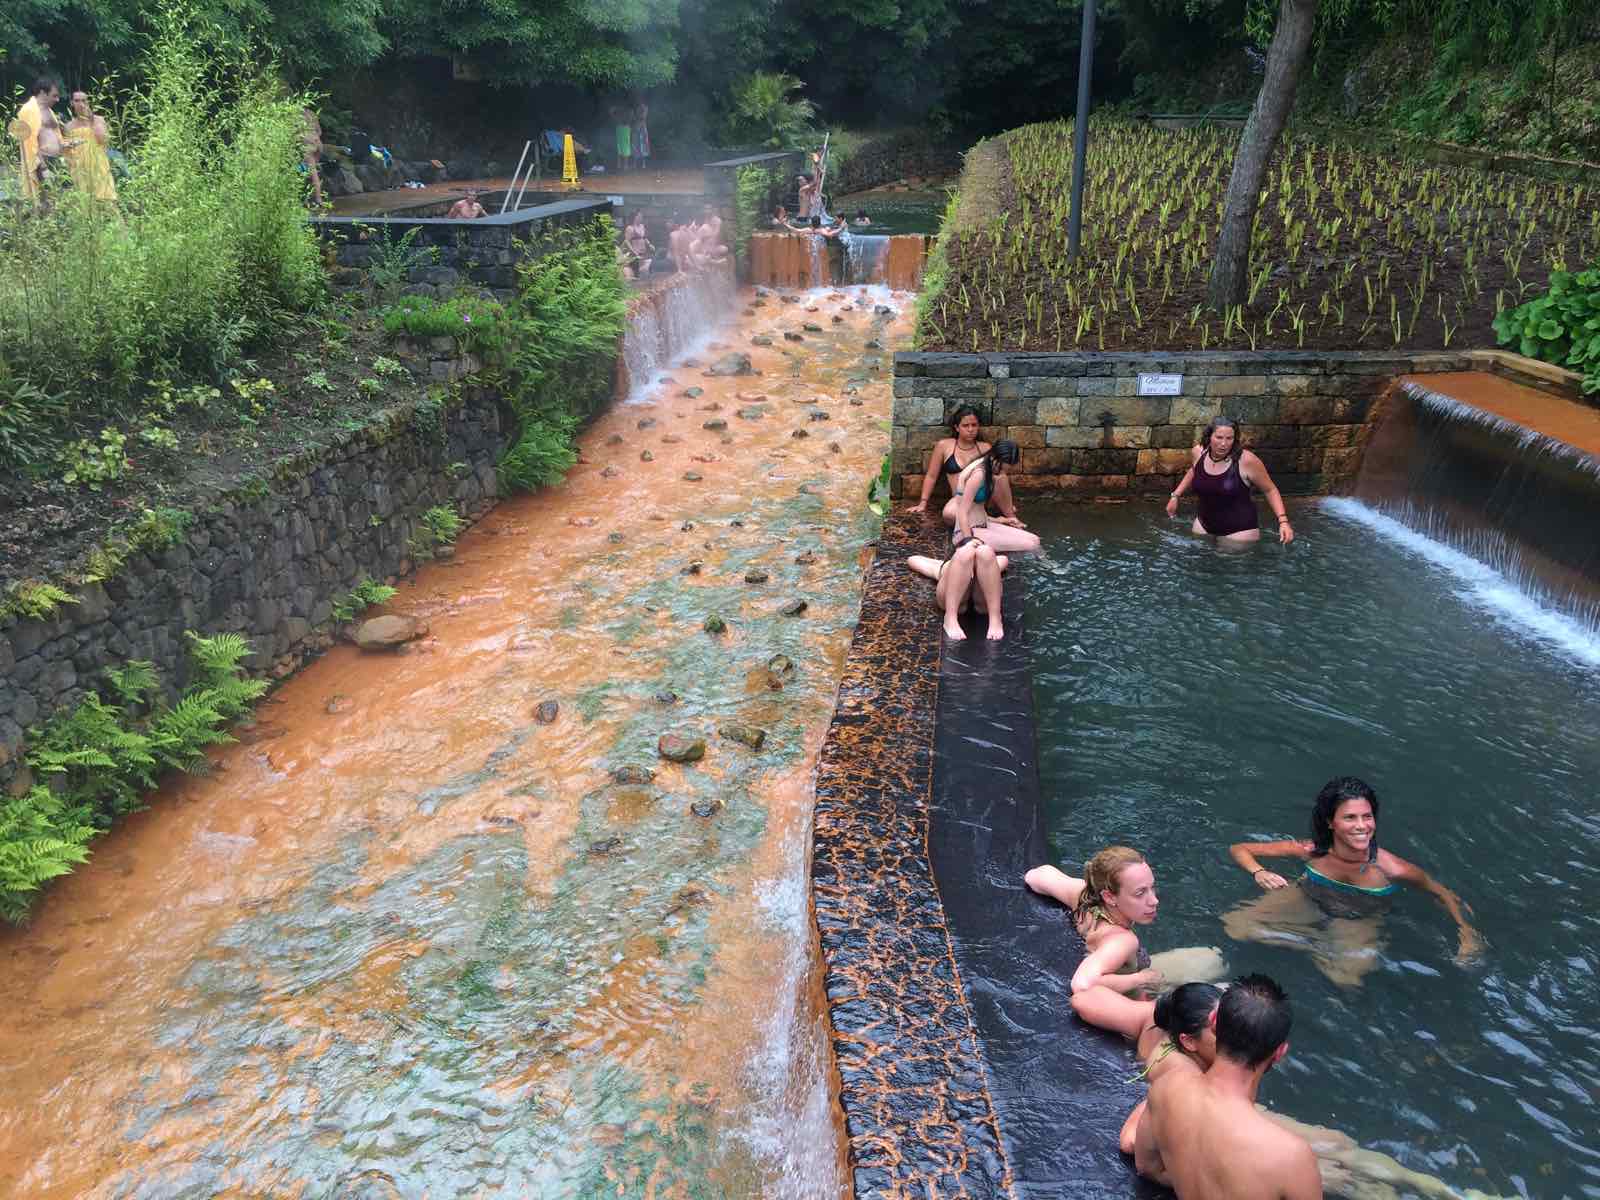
pixel 1187 699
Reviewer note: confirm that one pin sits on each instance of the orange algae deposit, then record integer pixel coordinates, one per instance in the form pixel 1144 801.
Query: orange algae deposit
pixel 407 939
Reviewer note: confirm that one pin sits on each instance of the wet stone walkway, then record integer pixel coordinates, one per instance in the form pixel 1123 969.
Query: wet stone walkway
pixel 447 922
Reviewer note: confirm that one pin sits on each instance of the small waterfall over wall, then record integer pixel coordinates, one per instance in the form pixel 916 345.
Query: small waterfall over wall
pixel 1461 459
pixel 666 320
pixel 802 260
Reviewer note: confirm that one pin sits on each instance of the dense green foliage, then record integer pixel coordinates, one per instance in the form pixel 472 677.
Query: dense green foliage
pixel 754 188
pixel 360 598
pixel 99 761
pixel 560 350
pixel 1562 326
pixel 475 322
pixel 209 249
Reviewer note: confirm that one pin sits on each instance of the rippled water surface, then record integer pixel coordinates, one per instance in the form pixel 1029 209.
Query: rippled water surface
pixel 1188 699
pixel 406 940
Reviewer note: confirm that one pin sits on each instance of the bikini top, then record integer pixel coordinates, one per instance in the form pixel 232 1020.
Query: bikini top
pixel 979 496
pixel 953 466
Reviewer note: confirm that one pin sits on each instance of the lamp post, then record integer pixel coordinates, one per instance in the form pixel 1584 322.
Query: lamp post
pixel 1080 132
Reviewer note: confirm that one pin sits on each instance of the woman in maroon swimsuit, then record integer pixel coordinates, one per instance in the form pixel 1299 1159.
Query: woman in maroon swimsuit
pixel 1221 474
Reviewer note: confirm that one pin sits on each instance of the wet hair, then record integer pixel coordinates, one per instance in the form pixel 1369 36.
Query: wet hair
pixel 1219 423
pixel 861 214
pixel 1100 873
pixel 961 414
pixel 1186 1009
pixel 816 222
pixel 43 84
pixel 1006 451
pixel 1334 793
pixel 1253 1020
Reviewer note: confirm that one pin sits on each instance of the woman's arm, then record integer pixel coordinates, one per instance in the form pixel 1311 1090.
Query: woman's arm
pixel 1100 966
pixel 1245 854
pixel 1255 473
pixel 930 477
pixel 1106 1009
pixel 964 500
pixel 1183 486
pixel 1007 503
pixel 1469 941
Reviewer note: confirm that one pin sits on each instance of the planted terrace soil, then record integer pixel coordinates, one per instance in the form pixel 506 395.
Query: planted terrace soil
pixel 48 527
pixel 1352 250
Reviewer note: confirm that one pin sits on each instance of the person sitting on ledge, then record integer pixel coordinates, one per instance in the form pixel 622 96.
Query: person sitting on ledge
pixel 968 579
pixel 1221 474
pixel 970 492
pixel 780 218
pixel 953 453
pixel 640 249
pixel 467 208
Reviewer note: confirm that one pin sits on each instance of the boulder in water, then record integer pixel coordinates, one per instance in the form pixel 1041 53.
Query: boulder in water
pixel 736 363
pixel 692 393
pixel 646 456
pixel 794 608
pixel 547 712
pixel 679 748
pixel 811 327
pixel 387 632
pixel 714 424
pixel 799 433
pixel 646 422
pixel 706 808
pixel 755 575
pixel 761 339
pixel 745 735
pixel 790 335
pixel 715 624
pixel 692 477
pixel 872 344
pixel 632 774
pixel 751 414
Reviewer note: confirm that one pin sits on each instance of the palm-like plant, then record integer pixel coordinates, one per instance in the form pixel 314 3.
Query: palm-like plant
pixel 764 109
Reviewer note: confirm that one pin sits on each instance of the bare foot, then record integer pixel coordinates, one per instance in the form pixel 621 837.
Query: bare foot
pixel 952 630
pixel 997 632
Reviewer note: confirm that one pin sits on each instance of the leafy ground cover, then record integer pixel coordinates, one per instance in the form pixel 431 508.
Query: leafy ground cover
pixel 1351 250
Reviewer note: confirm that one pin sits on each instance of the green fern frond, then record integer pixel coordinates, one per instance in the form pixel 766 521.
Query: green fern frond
pixel 133 681
pixel 217 657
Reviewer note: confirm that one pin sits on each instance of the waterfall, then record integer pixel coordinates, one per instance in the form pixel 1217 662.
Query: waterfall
pixel 866 257
pixel 1451 461
pixel 668 320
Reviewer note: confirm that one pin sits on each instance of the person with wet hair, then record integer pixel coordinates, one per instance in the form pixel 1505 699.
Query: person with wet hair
pixel 970 493
pixel 1117 892
pixel 1201 1133
pixel 1221 474
pixel 1348 883
pixel 467 208
pixel 968 579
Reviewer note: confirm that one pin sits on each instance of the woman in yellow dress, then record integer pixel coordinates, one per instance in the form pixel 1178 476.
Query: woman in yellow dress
pixel 86 151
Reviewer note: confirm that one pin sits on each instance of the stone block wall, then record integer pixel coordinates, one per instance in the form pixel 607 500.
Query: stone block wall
pixel 267 562
pixel 1083 428
pixel 482 253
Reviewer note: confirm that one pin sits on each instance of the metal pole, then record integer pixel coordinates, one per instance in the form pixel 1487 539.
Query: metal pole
pixel 1080 132
pixel 514 175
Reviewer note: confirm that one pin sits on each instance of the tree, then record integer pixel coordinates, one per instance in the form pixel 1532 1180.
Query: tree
pixel 1286 56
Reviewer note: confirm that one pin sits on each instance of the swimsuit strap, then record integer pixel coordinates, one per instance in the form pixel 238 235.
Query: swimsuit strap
pixel 1167 1047
pixel 1319 878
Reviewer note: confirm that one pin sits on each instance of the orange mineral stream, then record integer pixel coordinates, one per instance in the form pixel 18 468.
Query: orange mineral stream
pixel 407 940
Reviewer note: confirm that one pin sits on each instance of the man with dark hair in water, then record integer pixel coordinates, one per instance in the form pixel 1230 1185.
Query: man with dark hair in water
pixel 1202 1134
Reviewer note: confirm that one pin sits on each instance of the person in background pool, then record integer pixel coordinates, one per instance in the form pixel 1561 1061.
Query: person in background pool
pixel 956 451
pixel 861 218
pixel 1221 474
pixel 1117 892
pixel 969 578
pixel 1348 882
pixel 970 493
pixel 780 217
pixel 467 208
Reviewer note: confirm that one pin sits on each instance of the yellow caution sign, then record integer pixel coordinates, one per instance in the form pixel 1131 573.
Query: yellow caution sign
pixel 569 162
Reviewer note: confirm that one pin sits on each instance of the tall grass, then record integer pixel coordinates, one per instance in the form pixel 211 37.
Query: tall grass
pixel 208 245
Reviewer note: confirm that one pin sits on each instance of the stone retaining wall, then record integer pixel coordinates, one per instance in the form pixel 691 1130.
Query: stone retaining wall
pixel 482 253
pixel 267 561
pixel 1084 428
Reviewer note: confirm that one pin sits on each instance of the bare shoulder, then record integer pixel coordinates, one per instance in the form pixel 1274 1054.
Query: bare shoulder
pixel 1194 455
pixel 1396 867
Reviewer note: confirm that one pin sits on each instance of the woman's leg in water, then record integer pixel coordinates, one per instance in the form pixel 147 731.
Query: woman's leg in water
pixel 1245 537
pixel 987 567
pixel 1055 883
pixel 1288 917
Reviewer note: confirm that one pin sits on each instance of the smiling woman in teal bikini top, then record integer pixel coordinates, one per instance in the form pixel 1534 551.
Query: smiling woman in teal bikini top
pixel 1340 899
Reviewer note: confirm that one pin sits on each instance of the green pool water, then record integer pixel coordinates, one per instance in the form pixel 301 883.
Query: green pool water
pixel 1187 699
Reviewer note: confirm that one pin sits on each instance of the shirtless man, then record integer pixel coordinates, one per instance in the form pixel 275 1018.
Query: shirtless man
pixel 680 242
pixel 467 208
pixel 1202 1135
pixel 708 237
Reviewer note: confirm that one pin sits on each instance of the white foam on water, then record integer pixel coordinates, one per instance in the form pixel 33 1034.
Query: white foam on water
pixel 671 325
pixel 1514 605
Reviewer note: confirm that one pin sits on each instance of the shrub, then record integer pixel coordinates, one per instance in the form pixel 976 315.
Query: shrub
pixel 210 246
pixel 1562 326
pixel 477 323
pixel 561 349
pixel 439 528
pixel 753 195
pixel 360 598
pixel 103 756
pixel 763 110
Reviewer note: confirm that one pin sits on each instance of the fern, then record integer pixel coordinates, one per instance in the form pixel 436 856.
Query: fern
pixel 363 596
pixel 217 658
pixel 39 840
pixel 134 681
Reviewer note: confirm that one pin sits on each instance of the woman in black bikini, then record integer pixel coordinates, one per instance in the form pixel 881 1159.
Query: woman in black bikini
pixel 953 454
pixel 1221 474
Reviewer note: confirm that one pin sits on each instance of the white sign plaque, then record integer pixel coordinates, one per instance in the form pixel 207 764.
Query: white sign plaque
pixel 616 200
pixel 1160 385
